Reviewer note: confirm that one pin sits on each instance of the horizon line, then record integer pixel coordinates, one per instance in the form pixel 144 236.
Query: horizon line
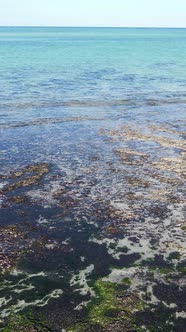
pixel 92 26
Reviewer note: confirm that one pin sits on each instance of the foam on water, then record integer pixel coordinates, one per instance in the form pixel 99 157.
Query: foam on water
pixel 21 304
pixel 81 280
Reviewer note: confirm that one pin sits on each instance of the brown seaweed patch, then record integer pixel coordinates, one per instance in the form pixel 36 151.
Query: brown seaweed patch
pixel 131 157
pixel 9 248
pixel 19 199
pixel 148 183
pixel 20 241
pixel 46 121
pixel 125 133
pixel 176 164
pixel 163 129
pixel 167 180
pixel 36 173
pixel 119 219
pixel 116 213
pixel 137 182
pixel 163 195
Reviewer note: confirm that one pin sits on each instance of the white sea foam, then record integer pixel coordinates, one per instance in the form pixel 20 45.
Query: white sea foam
pixel 21 304
pixel 4 301
pixel 181 314
pixel 3 184
pixel 26 288
pixel 81 281
pixel 42 220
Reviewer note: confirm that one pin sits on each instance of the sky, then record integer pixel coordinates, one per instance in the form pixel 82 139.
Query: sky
pixel 116 13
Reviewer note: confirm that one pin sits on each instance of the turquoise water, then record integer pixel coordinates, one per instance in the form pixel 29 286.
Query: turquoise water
pixel 41 68
pixel 103 109
pixel 57 73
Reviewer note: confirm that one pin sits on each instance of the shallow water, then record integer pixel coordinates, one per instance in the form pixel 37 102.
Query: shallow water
pixel 91 169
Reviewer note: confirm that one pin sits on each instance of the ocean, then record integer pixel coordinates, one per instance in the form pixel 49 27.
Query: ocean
pixel 91 178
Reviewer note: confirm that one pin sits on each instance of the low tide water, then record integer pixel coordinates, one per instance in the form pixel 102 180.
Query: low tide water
pixel 92 179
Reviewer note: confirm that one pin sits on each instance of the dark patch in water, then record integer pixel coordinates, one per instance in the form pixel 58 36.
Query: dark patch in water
pixel 171 294
pixel 160 319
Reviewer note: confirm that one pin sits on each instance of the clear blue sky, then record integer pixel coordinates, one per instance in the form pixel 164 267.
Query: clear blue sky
pixel 165 13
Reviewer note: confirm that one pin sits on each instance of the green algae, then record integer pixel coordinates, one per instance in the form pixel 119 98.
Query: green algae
pixel 182 270
pixel 112 303
pixel 165 270
pixel 23 323
pixel 126 281
pixel 104 303
pixel 174 255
